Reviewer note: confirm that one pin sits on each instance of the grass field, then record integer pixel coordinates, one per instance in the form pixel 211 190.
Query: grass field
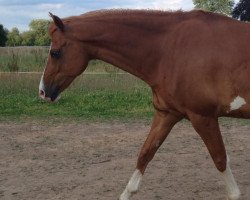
pixel 33 59
pixel 91 97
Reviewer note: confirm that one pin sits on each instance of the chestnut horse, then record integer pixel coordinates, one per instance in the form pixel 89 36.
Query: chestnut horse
pixel 197 64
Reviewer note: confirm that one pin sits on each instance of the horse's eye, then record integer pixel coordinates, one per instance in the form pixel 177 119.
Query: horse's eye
pixel 55 53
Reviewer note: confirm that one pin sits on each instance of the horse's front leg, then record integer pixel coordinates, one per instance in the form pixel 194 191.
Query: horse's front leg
pixel 162 125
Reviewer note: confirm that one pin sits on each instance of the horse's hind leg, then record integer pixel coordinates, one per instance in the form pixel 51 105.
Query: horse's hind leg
pixel 208 129
pixel 162 125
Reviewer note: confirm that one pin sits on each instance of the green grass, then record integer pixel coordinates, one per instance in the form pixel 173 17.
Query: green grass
pixel 91 97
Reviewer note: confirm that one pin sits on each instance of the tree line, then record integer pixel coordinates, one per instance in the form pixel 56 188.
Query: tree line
pixel 37 35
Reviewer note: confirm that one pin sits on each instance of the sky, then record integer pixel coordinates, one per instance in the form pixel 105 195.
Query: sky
pixel 19 13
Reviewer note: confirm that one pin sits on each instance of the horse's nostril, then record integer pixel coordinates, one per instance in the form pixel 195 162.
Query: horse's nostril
pixel 41 93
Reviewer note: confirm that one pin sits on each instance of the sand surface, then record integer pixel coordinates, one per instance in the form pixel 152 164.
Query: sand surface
pixel 91 161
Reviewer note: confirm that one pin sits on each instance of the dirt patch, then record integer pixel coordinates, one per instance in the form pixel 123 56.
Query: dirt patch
pixel 93 161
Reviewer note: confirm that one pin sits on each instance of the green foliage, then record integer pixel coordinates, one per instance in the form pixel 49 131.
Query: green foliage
pixel 242 10
pixel 218 6
pixel 37 35
pixel 14 38
pixel 39 31
pixel 28 38
pixel 3 36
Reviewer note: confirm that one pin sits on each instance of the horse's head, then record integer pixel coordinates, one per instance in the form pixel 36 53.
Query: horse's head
pixel 67 59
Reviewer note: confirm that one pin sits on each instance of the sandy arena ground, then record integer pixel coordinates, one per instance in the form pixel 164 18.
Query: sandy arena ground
pixel 90 161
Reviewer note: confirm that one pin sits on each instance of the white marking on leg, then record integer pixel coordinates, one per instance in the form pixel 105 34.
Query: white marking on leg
pixel 132 186
pixel 237 103
pixel 231 186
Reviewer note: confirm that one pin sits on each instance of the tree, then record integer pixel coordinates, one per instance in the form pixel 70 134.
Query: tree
pixel 14 38
pixel 218 6
pixel 39 29
pixel 28 38
pixel 3 35
pixel 242 10
pixel 36 35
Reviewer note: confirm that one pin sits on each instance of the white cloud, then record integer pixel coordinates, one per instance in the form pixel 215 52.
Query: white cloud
pixel 168 5
pixel 48 6
pixel 156 4
pixel 20 16
pixel 173 4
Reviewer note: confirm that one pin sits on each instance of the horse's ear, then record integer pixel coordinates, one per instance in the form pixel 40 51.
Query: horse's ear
pixel 58 22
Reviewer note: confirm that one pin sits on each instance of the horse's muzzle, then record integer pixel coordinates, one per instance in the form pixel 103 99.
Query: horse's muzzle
pixel 51 95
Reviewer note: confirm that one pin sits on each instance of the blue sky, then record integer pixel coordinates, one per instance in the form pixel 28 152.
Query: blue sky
pixel 19 13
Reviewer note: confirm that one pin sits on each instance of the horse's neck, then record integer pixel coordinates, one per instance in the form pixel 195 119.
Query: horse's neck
pixel 119 55
pixel 124 45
